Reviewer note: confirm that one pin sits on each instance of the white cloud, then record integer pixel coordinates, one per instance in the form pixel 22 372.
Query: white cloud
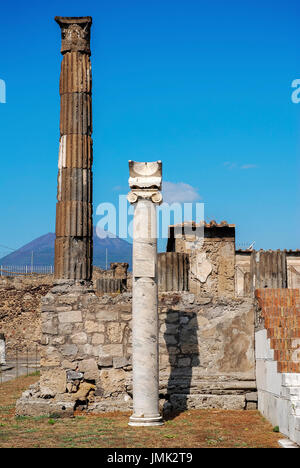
pixel 231 165
pixel 249 166
pixel 179 192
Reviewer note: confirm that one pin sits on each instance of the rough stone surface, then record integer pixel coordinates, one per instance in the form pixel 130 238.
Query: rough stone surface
pixel 73 243
pixel 209 363
pixel 212 257
pixel 53 382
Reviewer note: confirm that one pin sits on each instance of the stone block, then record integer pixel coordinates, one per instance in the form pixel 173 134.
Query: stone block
pixel 72 375
pixel 69 364
pixel 112 381
pixel 68 300
pixel 189 348
pixel 53 382
pixel 170 339
pixel 119 362
pixel 250 405
pixel 45 340
pixel 72 316
pixel 89 368
pixel 93 327
pixel 63 308
pixel 86 350
pixel 198 401
pixel 79 338
pixel 173 350
pixel 115 350
pixel 252 396
pixel 39 407
pixel 58 340
pixel 97 339
pixel 114 331
pixel 106 315
pixel 84 389
pixel 50 357
pixel 65 328
pixel 169 328
pixel 184 362
pixel 49 327
pixel 69 350
pixel 172 317
pixel 105 361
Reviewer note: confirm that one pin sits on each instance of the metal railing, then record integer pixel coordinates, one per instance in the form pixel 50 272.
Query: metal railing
pixel 20 363
pixel 21 270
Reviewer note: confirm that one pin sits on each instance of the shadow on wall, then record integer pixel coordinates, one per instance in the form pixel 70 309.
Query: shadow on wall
pixel 182 346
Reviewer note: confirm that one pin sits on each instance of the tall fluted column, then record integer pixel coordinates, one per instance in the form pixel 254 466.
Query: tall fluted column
pixel 145 183
pixel 74 225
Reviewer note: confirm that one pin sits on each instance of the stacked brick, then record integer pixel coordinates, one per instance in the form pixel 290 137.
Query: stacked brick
pixel 280 309
pixel 74 227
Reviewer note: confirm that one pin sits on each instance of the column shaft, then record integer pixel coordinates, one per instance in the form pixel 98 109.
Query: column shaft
pixel 145 317
pixel 145 182
pixel 74 228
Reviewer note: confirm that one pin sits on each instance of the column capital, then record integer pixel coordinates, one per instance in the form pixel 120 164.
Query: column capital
pixel 145 181
pixel 75 33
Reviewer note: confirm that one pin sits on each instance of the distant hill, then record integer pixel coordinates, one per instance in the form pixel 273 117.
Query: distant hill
pixel 118 250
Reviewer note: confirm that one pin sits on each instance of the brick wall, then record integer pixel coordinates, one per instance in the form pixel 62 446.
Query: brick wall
pixel 280 312
pixel 277 350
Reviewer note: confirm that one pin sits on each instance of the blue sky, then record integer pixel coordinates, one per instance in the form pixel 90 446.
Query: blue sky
pixel 203 86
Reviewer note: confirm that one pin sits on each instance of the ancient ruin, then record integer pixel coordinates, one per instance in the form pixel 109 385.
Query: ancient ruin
pixel 2 349
pixel 202 325
pixel 74 225
pixel 145 183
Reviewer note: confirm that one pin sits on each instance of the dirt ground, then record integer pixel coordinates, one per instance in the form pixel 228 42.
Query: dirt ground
pixel 191 429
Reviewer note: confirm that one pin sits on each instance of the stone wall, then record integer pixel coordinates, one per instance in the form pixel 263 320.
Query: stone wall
pixel 244 276
pixel 20 319
pixel 212 256
pixel 206 352
pixel 20 314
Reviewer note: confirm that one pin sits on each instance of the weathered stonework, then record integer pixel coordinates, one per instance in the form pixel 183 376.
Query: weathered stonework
pixel 145 183
pixel 206 353
pixel 266 268
pixel 75 34
pixel 211 248
pixel 74 228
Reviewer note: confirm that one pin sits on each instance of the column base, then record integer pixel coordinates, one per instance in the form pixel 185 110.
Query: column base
pixel 141 421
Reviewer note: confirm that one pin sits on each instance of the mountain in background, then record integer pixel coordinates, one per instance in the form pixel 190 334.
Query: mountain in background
pixel 118 250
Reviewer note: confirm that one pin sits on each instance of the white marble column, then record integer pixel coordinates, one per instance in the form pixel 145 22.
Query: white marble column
pixel 2 349
pixel 145 182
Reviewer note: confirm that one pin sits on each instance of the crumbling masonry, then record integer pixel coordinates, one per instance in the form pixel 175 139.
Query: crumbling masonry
pixel 226 324
pixel 74 225
pixel 206 340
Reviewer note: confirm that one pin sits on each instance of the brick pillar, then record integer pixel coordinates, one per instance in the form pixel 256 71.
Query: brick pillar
pixel 74 225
